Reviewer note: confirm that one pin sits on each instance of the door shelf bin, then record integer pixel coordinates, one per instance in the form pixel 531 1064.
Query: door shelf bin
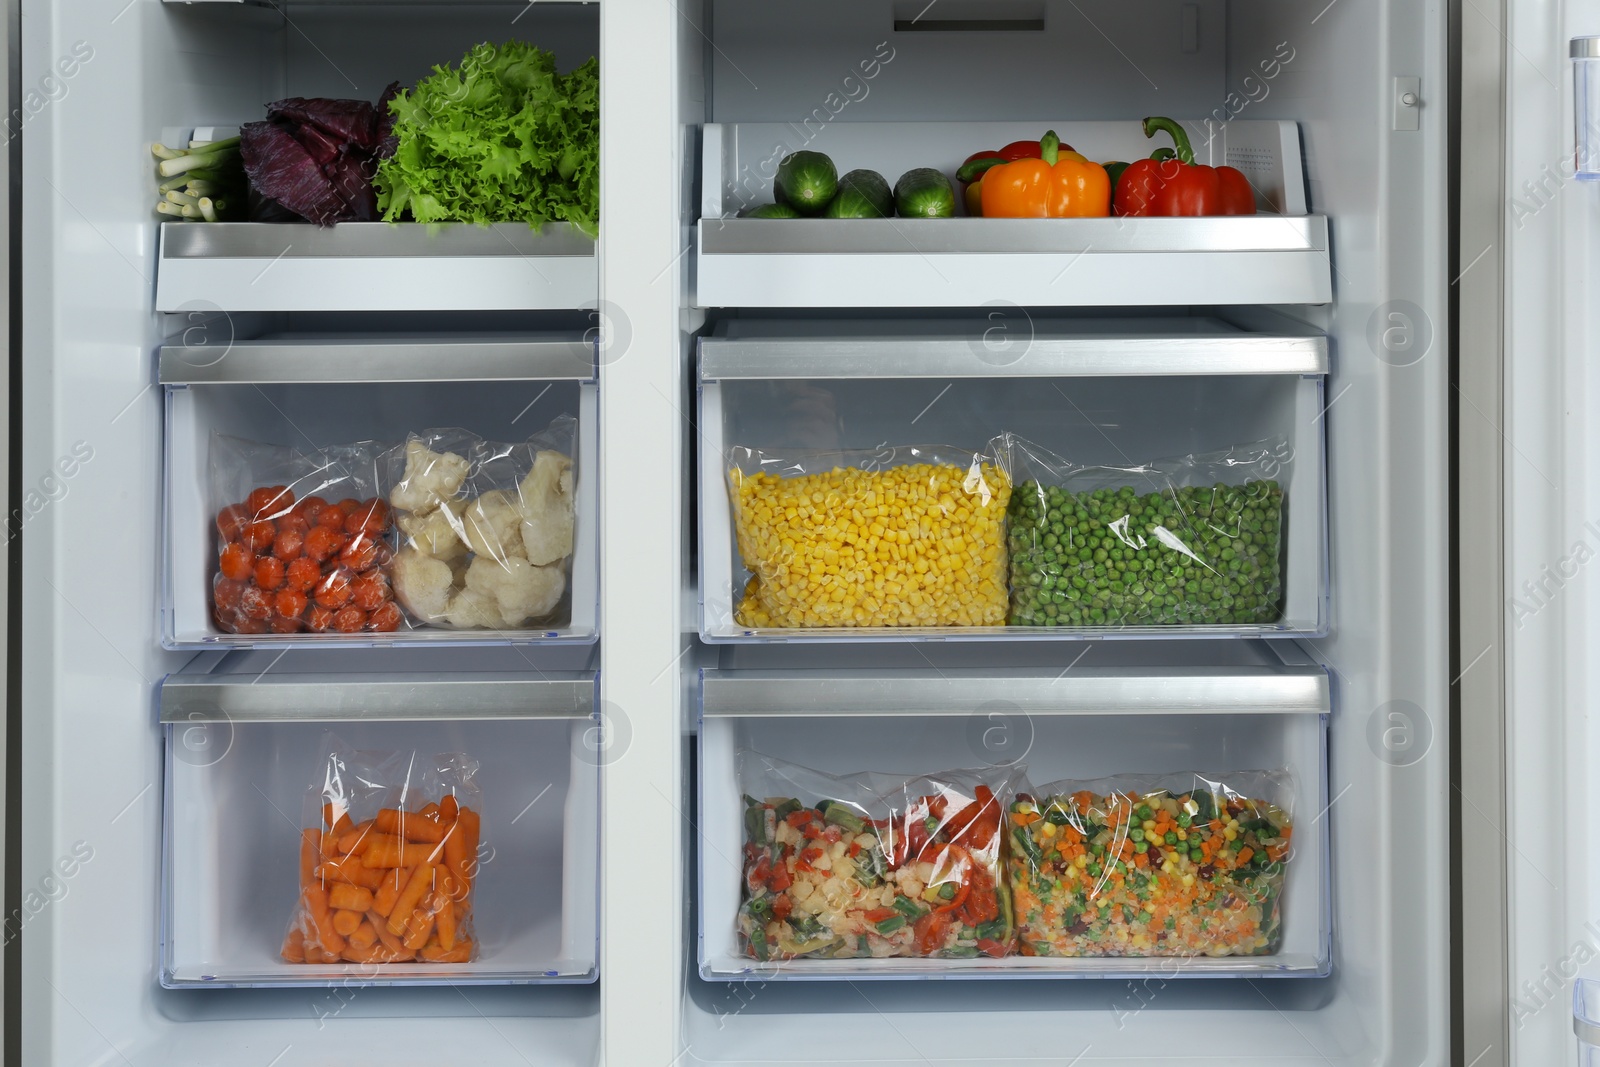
pixel 308 394
pixel 1280 256
pixel 1086 724
pixel 244 750
pixel 1097 392
pixel 373 266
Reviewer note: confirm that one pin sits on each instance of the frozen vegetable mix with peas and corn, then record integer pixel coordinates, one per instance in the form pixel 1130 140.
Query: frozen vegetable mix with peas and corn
pixel 832 882
pixel 838 540
pixel 1164 872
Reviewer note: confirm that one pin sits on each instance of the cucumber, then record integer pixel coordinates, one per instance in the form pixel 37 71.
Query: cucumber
pixel 863 194
pixel 772 211
pixel 924 193
pixel 806 181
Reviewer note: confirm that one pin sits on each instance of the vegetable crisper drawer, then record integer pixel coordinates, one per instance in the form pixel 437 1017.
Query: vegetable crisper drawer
pixel 1104 394
pixel 308 394
pixel 1084 725
pixel 1279 256
pixel 244 752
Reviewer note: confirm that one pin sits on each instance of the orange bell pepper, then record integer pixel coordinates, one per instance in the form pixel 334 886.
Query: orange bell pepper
pixel 1058 185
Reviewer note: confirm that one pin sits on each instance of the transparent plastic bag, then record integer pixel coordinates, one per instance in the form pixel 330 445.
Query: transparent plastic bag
pixel 304 541
pixel 1196 541
pixel 487 528
pixel 908 536
pixel 1172 865
pixel 387 859
pixel 873 865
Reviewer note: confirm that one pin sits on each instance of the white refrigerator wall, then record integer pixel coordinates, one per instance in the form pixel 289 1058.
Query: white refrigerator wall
pixel 1331 68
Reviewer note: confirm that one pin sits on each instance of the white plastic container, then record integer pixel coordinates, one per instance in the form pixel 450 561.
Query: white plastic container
pixel 1113 392
pixel 242 750
pixel 1083 723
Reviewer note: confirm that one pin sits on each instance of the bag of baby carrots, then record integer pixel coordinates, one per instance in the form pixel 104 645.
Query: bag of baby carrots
pixel 388 857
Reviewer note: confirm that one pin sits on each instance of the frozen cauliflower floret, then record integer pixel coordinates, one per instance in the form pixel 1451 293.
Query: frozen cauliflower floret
pixel 436 533
pixel 430 479
pixel 491 525
pixel 520 590
pixel 547 513
pixel 472 609
pixel 422 584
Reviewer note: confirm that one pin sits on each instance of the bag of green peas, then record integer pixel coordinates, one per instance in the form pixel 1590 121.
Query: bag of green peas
pixel 1196 541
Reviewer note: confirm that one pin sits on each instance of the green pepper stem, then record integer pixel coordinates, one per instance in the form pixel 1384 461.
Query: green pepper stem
pixel 1049 148
pixel 1162 154
pixel 1154 125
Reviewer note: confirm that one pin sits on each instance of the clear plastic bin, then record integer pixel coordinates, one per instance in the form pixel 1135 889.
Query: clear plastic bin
pixel 241 749
pixel 305 392
pixel 1083 723
pixel 1111 392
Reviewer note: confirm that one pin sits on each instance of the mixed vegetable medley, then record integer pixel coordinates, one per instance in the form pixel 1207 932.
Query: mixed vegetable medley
pixel 830 882
pixel 1160 874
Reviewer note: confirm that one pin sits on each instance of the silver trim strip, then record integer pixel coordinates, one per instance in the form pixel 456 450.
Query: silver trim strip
pixel 338 698
pixel 964 353
pixel 1234 691
pixel 385 240
pixel 1242 233
pixel 373 360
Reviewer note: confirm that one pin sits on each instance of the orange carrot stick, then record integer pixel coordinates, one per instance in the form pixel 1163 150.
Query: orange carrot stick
pixel 413 826
pixel 449 808
pixel 384 854
pixel 346 922
pixel 353 837
pixel 381 926
pixel 446 922
pixel 430 811
pixel 294 946
pixel 418 930
pixel 394 881
pixel 316 902
pixel 365 935
pixel 421 882
pixel 349 897
pixel 471 826
pixel 462 953
pixel 353 871
pixel 309 840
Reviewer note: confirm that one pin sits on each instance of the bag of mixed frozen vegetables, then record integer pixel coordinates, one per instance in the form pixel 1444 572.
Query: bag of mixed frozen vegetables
pixel 1178 865
pixel 388 858
pixel 486 528
pixel 1194 541
pixel 873 865
pixel 903 536
pixel 304 541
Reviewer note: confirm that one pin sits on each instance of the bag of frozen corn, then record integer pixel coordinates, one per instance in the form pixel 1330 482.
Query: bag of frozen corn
pixel 1179 865
pixel 388 858
pixel 905 536
pixel 873 865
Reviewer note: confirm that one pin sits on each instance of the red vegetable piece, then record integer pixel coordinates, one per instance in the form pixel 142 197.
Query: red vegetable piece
pixel 331 516
pixel 258 536
pixel 349 620
pixel 387 618
pixel 334 589
pixel 231 521
pixel 283 625
pixel 360 553
pixel 319 618
pixel 269 502
pixel 225 594
pixel 370 590
pixel 290 604
pixel 237 563
pixel 302 574
pixel 371 517
pixel 269 572
pixel 254 604
pixel 289 543
pixel 321 542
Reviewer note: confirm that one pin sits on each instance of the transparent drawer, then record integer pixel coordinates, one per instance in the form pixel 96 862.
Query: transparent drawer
pixel 1116 393
pixel 1586 1020
pixel 242 751
pixel 1085 723
pixel 309 392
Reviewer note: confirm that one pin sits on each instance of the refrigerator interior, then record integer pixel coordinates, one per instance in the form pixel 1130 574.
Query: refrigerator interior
pixel 94 748
pixel 1387 998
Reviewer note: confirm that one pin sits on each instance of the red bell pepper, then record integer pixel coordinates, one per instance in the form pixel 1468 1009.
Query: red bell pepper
pixel 1179 186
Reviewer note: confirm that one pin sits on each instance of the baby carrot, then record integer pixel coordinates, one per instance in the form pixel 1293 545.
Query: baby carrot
pixel 446 921
pixel 430 810
pixel 354 837
pixel 351 869
pixel 370 954
pixel 294 946
pixel 421 882
pixel 309 840
pixel 393 882
pixel 418 930
pixel 345 922
pixel 349 897
pixel 380 926
pixel 365 935
pixel 469 825
pixel 449 808
pixel 413 826
pixel 384 854
pixel 462 953
pixel 316 902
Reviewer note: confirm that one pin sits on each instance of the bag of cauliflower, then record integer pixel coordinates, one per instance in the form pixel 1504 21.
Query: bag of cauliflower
pixel 486 528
